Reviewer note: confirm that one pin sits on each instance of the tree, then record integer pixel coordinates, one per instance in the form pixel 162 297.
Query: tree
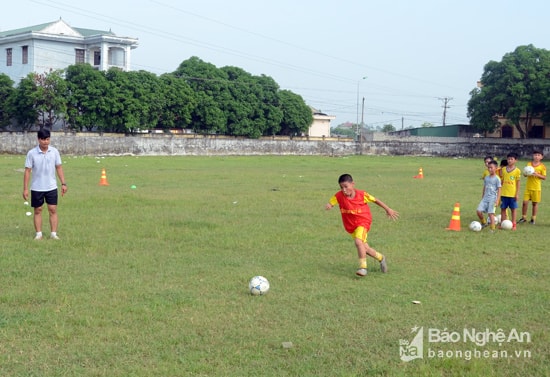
pixel 252 107
pixel 179 103
pixel 209 85
pixel 297 116
pixel 197 95
pixel 87 97
pixel 238 101
pixel 388 128
pixel 40 99
pixel 126 101
pixel 231 101
pixel 516 88
pixel 270 110
pixel 147 92
pixel 23 103
pixel 133 101
pixel 6 100
pixel 50 100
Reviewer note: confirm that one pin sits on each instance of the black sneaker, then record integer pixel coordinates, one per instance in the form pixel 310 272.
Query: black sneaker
pixel 532 222
pixel 522 220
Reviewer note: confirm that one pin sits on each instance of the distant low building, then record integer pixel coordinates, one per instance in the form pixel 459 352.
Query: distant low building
pixel 454 130
pixel 321 124
pixel 56 45
pixel 535 129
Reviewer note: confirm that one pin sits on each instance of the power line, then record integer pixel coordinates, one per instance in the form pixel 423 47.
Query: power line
pixel 181 38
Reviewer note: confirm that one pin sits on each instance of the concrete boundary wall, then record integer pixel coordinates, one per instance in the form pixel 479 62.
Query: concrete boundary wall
pixel 94 144
pixel 383 144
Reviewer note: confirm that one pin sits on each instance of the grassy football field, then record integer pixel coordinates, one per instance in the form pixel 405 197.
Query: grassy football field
pixel 152 280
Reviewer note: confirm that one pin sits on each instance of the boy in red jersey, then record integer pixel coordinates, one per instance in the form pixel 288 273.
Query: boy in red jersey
pixel 357 219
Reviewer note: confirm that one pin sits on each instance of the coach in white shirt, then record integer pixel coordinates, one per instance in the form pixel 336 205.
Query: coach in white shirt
pixel 42 163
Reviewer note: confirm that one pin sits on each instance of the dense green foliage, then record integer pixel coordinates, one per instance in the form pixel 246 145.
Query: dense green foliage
pixel 516 88
pixel 6 99
pixel 197 96
pixel 152 281
pixel 235 102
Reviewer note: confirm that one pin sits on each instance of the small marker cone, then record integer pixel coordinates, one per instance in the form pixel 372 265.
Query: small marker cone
pixel 420 174
pixel 455 218
pixel 103 180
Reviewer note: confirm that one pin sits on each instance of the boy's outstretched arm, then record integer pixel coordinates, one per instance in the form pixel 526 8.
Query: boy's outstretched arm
pixel 394 215
pixel 331 203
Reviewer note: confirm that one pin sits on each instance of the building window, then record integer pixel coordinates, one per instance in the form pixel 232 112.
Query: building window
pixel 9 54
pixel 79 55
pixel 97 57
pixel 25 54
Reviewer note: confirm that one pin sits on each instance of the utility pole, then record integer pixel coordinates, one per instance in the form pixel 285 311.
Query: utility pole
pixel 357 121
pixel 362 116
pixel 445 106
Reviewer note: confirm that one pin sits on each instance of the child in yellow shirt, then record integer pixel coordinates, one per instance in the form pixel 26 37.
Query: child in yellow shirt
pixel 533 188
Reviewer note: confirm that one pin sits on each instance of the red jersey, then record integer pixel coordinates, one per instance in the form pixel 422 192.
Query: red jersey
pixel 355 211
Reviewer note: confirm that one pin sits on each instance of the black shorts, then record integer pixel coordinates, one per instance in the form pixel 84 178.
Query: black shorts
pixel 38 197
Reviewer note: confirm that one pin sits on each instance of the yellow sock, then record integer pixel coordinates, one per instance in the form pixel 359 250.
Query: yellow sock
pixel 493 227
pixel 362 262
pixel 379 257
pixel 483 221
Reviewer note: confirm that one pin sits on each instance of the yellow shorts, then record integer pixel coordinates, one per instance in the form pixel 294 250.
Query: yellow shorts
pixel 361 233
pixel 532 195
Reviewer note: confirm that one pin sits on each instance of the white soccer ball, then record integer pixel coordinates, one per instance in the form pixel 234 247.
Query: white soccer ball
pixel 475 226
pixel 258 286
pixel 506 224
pixel 528 170
pixel 497 219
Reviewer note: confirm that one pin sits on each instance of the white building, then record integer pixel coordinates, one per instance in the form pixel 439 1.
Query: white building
pixel 56 45
pixel 321 124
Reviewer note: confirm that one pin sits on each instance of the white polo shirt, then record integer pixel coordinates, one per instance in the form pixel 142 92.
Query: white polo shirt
pixel 43 168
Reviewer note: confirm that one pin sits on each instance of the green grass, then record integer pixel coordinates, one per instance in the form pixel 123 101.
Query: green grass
pixel 152 281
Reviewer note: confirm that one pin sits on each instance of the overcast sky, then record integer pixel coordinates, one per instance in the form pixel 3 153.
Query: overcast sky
pixel 415 55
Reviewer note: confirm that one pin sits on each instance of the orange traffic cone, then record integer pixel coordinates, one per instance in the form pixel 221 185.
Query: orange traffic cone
pixel 455 218
pixel 420 174
pixel 103 180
